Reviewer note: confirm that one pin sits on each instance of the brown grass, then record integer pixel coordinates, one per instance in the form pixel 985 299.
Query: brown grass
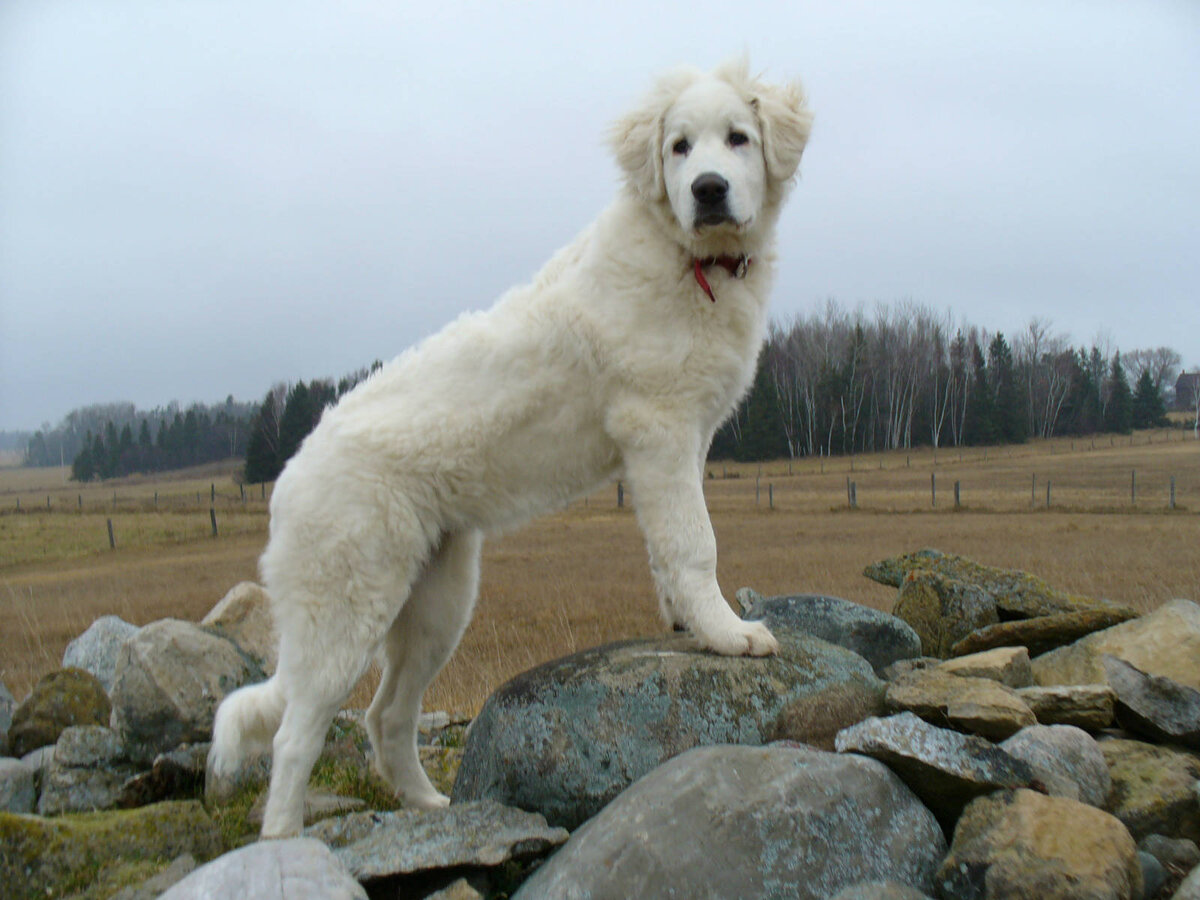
pixel 579 578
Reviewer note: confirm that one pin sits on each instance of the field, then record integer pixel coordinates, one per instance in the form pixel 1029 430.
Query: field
pixel 580 577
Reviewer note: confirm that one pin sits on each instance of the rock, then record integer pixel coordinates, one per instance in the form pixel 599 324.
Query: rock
pixel 317 805
pixel 1007 665
pixel 1019 843
pixel 1165 642
pixel 880 890
pixel 1152 788
pixel 1154 876
pixel 1066 760
pixel 1017 594
pixel 7 705
pixel 38 855
pixel 565 738
pixel 63 698
pixel 152 887
pixel 459 890
pixel 294 869
pixel 17 792
pixel 1189 889
pixel 1044 633
pixel 904 666
pixel 942 610
pixel 816 719
pixel 85 773
pixel 170 677
pixel 175 775
pixel 1087 706
pixel 1177 853
pixel 944 768
pixel 374 845
pixel 96 649
pixel 244 616
pixel 1154 706
pixel 877 637
pixel 748 822
pixel 977 705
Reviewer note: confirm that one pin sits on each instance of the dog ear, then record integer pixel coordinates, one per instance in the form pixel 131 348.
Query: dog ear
pixel 785 121
pixel 636 141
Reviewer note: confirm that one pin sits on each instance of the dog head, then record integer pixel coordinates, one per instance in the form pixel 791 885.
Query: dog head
pixel 714 153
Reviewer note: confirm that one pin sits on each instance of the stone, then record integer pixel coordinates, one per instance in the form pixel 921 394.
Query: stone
pixel 1018 843
pixel 176 774
pixel 293 869
pixel 458 890
pixel 1043 633
pixel 38 855
pixel 152 887
pixel 748 822
pixel 1087 706
pixel 1016 594
pixel 816 719
pixel 877 637
pixel 1007 665
pixel 565 738
pixel 317 805
pixel 244 616
pixel 96 649
pixel 85 773
pixel 375 845
pixel 880 890
pixel 1154 876
pixel 1177 853
pixel 171 676
pixel 1165 642
pixel 1154 706
pixel 978 705
pixel 1152 788
pixel 1189 888
pixel 942 611
pixel 904 666
pixel 17 791
pixel 60 699
pixel 7 705
pixel 944 768
pixel 1066 760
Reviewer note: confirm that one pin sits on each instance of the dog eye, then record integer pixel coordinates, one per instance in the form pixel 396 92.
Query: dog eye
pixel 681 147
pixel 737 138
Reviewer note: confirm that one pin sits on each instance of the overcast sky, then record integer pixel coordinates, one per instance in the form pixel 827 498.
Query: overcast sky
pixel 204 198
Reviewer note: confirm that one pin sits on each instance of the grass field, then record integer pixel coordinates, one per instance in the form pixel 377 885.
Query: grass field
pixel 580 577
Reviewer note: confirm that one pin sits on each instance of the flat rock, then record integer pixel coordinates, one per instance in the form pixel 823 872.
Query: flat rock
pixel 171 676
pixel 294 869
pixel 374 845
pixel 1087 706
pixel 978 705
pixel 155 885
pixel 880 890
pixel 1018 843
pixel 1007 665
pixel 1043 633
pixel 876 636
pixel 1153 788
pixel 317 805
pixel 17 791
pixel 943 611
pixel 1066 760
pixel 565 738
pixel 176 774
pixel 244 616
pixel 96 649
pixel 85 773
pixel 1178 853
pixel 748 822
pixel 1165 642
pixel 59 700
pixel 944 768
pixel 1154 706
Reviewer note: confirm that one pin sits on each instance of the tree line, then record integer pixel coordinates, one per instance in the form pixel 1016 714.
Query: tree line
pixel 840 381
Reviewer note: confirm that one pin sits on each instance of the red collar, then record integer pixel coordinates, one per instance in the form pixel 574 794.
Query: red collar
pixel 736 266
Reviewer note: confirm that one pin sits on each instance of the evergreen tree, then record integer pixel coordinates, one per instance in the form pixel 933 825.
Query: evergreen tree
pixel 980 427
pixel 763 436
pixel 1118 414
pixel 1149 409
pixel 1010 414
pixel 84 466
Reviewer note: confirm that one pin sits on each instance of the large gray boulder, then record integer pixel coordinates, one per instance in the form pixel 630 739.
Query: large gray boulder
pixel 7 705
pixel 295 869
pixel 86 772
pixel 943 611
pixel 1153 788
pixel 244 616
pixel 565 738
pixel 17 791
pixel 748 822
pixel 881 639
pixel 1154 706
pixel 171 676
pixel 96 649
pixel 1066 760
pixel 59 700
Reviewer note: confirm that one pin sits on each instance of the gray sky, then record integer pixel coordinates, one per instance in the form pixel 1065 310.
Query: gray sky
pixel 203 198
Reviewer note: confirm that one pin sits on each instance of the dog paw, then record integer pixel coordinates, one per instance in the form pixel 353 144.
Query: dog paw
pixel 426 800
pixel 746 639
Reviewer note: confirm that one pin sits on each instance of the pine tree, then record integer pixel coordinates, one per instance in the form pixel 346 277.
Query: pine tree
pixel 1149 409
pixel 1010 413
pixel 980 427
pixel 1118 415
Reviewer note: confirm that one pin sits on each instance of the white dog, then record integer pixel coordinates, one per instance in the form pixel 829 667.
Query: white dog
pixel 622 357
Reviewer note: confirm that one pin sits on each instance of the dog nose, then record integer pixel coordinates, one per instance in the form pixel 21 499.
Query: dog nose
pixel 710 188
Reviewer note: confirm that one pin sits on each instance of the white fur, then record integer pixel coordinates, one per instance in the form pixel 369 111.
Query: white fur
pixel 613 362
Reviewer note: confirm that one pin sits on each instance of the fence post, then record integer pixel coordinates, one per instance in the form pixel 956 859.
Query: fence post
pixel 957 504
pixel 212 515
pixel 771 496
pixel 212 493
pixel 854 495
pixel 1133 487
pixel 620 495
pixel 1172 492
pixel 112 541
pixel 1047 493
pixel 1033 491
pixel 757 479
pixel 933 488
pixel 849 499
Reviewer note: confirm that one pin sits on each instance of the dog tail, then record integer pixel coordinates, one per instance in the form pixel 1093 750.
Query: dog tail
pixel 246 722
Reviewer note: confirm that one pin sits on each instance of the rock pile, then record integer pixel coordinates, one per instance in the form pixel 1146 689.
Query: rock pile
pixel 991 737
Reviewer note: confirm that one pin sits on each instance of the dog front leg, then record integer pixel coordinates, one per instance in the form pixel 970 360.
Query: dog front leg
pixel 668 496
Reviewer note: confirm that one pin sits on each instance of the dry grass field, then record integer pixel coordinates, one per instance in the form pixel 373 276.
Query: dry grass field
pixel 580 577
